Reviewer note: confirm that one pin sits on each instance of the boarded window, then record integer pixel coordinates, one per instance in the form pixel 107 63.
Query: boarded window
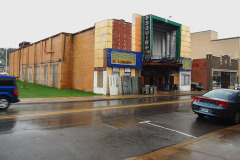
pixel 54 76
pixel 44 75
pixel 100 79
pixel 36 75
pixel 30 75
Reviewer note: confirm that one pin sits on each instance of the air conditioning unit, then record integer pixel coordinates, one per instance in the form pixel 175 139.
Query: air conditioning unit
pixel 24 44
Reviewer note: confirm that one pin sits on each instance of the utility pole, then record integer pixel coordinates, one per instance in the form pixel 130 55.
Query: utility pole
pixel 6 61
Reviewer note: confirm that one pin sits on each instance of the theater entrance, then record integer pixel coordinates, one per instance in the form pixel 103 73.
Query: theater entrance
pixel 164 77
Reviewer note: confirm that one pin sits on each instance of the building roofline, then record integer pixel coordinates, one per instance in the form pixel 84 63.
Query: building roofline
pixel 226 39
pixel 216 39
pixel 204 31
pixel 85 30
pixel 65 33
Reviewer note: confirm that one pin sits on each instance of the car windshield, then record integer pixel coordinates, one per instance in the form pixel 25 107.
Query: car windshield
pixel 221 94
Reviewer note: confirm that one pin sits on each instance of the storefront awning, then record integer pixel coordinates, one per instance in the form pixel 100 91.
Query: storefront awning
pixel 162 64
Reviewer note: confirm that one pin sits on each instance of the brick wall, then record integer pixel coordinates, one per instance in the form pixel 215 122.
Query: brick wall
pixel 83 60
pixel 66 74
pixel 223 62
pixel 122 35
pixel 14 64
pixel 41 62
pixel 138 34
pixel 199 70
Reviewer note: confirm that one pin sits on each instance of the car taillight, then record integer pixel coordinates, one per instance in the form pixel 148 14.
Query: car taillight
pixel 195 99
pixel 223 104
pixel 15 92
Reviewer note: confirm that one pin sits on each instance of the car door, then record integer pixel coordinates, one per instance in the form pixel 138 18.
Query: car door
pixel 238 100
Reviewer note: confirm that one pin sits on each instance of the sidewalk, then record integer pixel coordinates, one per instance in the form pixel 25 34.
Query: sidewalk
pixel 219 145
pixel 102 97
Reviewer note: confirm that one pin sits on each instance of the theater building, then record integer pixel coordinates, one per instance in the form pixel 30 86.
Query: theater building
pixel 166 54
pixel 112 57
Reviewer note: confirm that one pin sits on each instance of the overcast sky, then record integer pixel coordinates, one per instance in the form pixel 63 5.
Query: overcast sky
pixel 34 20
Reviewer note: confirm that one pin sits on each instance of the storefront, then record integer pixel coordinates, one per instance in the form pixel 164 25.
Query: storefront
pixel 163 76
pixel 224 79
pixel 161 47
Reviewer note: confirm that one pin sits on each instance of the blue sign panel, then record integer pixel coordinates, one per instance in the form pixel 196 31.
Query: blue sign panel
pixel 186 64
pixel 121 58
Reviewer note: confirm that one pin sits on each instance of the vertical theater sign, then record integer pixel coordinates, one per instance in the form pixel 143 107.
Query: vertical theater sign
pixel 147 33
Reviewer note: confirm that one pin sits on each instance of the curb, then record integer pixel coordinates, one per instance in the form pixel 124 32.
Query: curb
pixel 171 152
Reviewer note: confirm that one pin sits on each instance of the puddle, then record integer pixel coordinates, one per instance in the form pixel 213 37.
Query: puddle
pixel 121 122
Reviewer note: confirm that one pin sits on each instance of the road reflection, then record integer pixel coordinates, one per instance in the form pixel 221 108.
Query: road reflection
pixel 113 117
pixel 6 126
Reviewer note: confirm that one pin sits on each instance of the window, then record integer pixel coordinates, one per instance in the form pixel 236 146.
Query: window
pixel 7 82
pixel 127 72
pixel 100 79
pixel 216 79
pixel 185 79
pixel 233 79
pixel 219 94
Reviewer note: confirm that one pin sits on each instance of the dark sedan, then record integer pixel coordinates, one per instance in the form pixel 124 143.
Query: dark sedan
pixel 224 103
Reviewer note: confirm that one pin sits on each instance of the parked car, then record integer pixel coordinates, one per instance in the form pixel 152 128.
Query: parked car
pixel 196 86
pixel 4 73
pixel 8 91
pixel 223 103
pixel 237 86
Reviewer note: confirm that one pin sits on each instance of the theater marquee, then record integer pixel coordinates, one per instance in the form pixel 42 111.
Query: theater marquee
pixel 121 58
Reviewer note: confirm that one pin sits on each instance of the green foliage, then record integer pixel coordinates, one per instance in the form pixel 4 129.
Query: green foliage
pixel 31 90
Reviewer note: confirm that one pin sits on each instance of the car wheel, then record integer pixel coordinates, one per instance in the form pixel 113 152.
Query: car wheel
pixel 4 103
pixel 236 117
pixel 192 88
pixel 199 89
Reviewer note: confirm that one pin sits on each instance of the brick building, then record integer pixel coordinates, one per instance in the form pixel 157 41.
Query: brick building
pixel 224 54
pixel 215 72
pixel 110 51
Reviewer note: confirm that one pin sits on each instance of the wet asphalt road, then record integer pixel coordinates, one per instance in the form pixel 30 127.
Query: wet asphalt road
pixel 100 130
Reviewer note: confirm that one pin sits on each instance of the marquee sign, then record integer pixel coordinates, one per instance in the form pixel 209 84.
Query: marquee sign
pixel 121 58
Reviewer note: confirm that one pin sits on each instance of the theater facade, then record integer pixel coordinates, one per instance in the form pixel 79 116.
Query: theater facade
pixel 112 57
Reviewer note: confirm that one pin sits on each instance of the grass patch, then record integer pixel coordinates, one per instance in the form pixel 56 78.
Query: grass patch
pixel 32 90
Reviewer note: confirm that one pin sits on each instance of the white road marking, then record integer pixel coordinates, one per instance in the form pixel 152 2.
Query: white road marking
pixel 148 122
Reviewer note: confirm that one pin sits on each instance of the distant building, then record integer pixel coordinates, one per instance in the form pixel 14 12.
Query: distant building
pixel 215 72
pixel 218 56
pixel 111 56
pixel 2 64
